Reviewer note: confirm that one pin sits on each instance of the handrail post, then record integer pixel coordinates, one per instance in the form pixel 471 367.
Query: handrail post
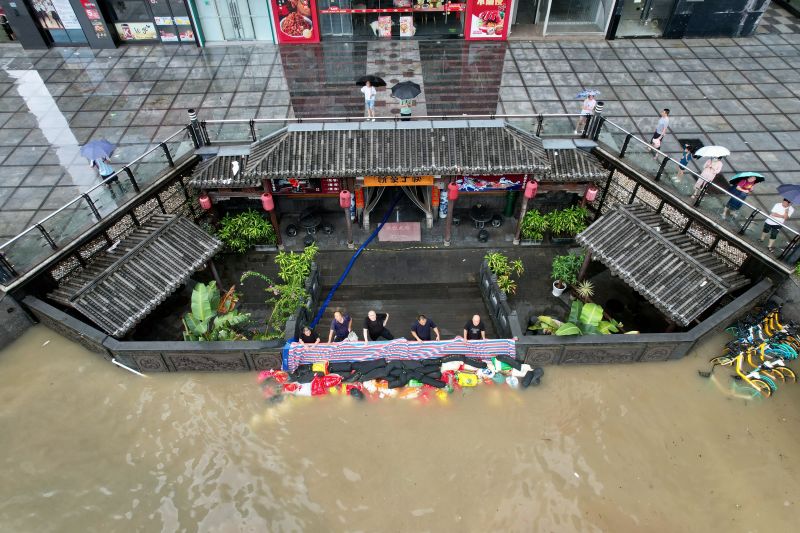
pixel 47 237
pixel 7 266
pixel 194 128
pixel 786 251
pixel 253 130
pixel 748 222
pixel 633 193
pixel 605 192
pixel 539 125
pixel 164 147
pixel 204 130
pixel 89 201
pixel 661 168
pixel 625 145
pixel 700 196
pixel 129 172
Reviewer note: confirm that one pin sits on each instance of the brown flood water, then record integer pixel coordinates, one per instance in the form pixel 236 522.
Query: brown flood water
pixel 89 447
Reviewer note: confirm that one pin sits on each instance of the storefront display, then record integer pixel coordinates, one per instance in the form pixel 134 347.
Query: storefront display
pixel 486 20
pixel 166 21
pixel 296 21
pixel 58 19
pixel 94 16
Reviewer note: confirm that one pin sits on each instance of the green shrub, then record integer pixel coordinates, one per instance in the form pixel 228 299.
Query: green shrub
pixel 568 222
pixel 566 268
pixel 504 269
pixel 533 226
pixel 241 232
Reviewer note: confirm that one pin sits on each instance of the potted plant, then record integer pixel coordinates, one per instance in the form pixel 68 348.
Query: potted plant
pixel 533 227
pixel 565 272
pixel 246 230
pixel 502 269
pixel 566 223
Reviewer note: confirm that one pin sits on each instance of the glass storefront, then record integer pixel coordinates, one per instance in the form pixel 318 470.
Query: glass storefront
pixel 391 18
pixel 644 18
pixel 235 20
pixel 164 21
pixel 58 20
pixel 561 17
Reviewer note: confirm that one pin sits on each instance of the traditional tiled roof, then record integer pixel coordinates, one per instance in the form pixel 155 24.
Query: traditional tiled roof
pixel 671 270
pixel 223 171
pixel 574 165
pixel 124 284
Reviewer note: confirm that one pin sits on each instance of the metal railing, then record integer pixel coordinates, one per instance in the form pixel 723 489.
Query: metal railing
pixel 43 239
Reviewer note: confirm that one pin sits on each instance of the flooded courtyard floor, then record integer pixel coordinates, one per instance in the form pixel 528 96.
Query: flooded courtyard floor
pixel 648 447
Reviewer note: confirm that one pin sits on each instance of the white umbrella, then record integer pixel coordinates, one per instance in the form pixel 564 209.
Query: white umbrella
pixel 712 151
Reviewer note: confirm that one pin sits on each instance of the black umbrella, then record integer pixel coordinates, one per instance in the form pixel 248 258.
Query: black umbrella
pixel 374 80
pixel 406 90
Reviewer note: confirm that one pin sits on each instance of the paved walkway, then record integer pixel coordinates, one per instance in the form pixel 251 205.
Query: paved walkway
pixel 741 93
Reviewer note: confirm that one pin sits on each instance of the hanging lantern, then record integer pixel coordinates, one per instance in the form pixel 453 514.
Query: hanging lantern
pixel 205 202
pixel 359 198
pixel 591 193
pixel 267 202
pixel 344 199
pixel 435 195
pixel 531 188
pixel 452 192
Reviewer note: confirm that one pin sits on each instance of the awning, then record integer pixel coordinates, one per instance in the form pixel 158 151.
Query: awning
pixel 223 171
pixel 124 284
pixel 670 269
pixel 574 165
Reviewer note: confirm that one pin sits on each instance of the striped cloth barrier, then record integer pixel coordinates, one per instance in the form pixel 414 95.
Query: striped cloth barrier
pixel 354 351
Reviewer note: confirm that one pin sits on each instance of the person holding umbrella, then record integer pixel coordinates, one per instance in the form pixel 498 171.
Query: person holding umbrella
pixel 779 214
pixel 741 185
pixel 98 152
pixel 711 168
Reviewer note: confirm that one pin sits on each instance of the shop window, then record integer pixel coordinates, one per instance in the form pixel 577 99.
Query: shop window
pixel 58 20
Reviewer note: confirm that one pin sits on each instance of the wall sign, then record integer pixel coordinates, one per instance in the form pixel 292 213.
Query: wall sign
pixel 397 181
pixel 136 31
pixel 296 21
pixel 486 20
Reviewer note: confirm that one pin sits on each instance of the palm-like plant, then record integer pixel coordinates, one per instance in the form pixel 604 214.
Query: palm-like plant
pixel 213 318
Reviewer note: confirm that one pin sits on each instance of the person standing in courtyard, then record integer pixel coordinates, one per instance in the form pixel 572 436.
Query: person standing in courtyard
pixel 375 327
pixel 740 191
pixel 661 130
pixel 779 214
pixel 369 99
pixel 422 329
pixel 341 326
pixel 712 167
pixel 587 110
pixel 474 330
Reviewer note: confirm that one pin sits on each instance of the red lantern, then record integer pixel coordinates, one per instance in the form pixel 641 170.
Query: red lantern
pixel 452 192
pixel 436 196
pixel 267 202
pixel 205 202
pixel 531 188
pixel 591 193
pixel 344 199
pixel 360 198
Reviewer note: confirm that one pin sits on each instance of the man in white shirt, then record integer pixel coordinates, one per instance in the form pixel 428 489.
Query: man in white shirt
pixel 369 99
pixel 587 110
pixel 661 130
pixel 780 212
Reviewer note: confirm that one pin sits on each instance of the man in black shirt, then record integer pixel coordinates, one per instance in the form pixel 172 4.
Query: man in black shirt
pixel 308 336
pixel 421 330
pixel 375 327
pixel 474 330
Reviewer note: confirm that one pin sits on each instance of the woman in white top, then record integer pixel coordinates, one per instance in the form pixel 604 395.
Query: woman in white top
pixel 369 99
pixel 711 168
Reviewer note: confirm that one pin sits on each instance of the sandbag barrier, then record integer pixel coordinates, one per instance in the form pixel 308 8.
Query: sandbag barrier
pixel 409 379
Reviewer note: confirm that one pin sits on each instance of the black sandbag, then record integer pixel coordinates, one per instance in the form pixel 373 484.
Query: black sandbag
pixel 512 362
pixel 538 373
pixel 427 380
pixel 377 373
pixel 357 394
pixel 413 374
pixel 430 369
pixel 368 366
pixel 352 378
pixel 397 383
pixel 434 375
pixel 476 363
pixel 433 361
pixel 411 365
pixel 525 382
pixel 343 367
pixel 305 377
pixel 451 358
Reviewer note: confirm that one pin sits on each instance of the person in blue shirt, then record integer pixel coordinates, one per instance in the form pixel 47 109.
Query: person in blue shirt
pixel 422 328
pixel 105 170
pixel 341 326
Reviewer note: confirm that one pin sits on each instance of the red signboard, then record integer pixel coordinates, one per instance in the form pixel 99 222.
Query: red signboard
pixel 296 21
pixel 487 20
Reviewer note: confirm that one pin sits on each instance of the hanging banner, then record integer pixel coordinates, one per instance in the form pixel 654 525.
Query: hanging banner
pixel 296 21
pixel 490 183
pixel 486 20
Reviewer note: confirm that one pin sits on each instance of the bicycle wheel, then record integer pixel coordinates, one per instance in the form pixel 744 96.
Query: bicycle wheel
pixel 761 387
pixel 723 360
pixel 771 373
pixel 768 380
pixel 788 373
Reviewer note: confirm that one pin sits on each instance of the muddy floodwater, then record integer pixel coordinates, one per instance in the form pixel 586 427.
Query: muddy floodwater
pixel 652 447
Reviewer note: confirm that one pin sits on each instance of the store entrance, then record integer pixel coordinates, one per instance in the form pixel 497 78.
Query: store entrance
pixel 644 19
pixel 384 19
pixel 414 205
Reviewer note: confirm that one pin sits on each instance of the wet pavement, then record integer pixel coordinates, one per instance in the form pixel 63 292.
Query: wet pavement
pixel 741 93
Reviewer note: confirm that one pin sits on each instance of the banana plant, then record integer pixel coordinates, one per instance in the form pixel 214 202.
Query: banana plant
pixel 583 319
pixel 213 317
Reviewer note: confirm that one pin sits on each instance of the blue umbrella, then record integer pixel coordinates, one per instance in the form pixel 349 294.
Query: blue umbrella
pixel 790 192
pixel 99 149
pixel 587 92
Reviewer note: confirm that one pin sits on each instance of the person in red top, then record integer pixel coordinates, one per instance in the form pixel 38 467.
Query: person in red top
pixel 740 191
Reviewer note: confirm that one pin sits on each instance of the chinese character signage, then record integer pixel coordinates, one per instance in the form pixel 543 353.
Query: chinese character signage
pixel 486 20
pixel 397 181
pixel 296 21
pixel 136 31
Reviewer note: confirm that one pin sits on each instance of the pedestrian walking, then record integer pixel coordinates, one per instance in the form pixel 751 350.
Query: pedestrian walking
pixel 661 130
pixel 375 326
pixel 105 170
pixel 740 190
pixel 688 155
pixel 711 168
pixel 405 109
pixel 422 329
pixel 341 326
pixel 779 214
pixel 587 110
pixel 369 99
pixel 309 336
pixel 474 330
